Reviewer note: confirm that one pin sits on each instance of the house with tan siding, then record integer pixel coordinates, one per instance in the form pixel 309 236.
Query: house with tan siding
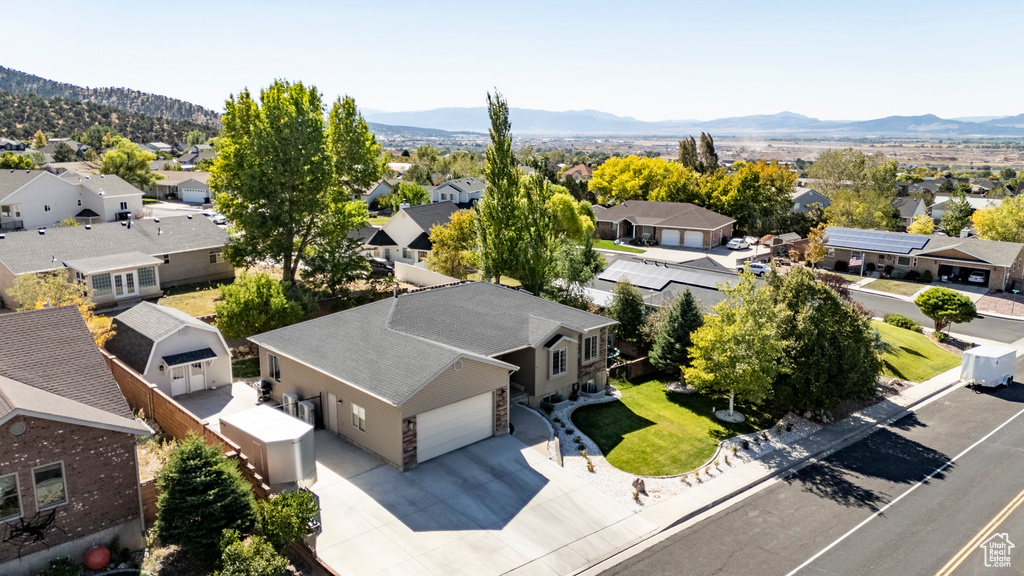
pixel 664 223
pixel 460 354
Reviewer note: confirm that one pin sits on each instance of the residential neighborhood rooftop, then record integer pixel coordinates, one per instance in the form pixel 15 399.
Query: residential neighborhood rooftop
pixel 664 214
pixel 991 251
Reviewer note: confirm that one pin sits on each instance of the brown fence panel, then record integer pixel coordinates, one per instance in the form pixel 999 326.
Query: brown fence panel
pixel 149 497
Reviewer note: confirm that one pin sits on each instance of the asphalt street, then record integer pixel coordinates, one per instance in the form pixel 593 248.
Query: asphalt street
pixel 990 327
pixel 887 504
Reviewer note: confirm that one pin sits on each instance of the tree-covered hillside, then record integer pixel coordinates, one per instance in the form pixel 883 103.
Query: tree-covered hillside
pixel 22 114
pixel 17 82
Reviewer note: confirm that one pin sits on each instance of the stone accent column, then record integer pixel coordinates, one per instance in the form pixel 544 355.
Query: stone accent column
pixel 408 443
pixel 501 411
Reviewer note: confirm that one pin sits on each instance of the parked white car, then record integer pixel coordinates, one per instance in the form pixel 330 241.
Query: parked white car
pixel 756 268
pixel 216 218
pixel 737 244
pixel 977 277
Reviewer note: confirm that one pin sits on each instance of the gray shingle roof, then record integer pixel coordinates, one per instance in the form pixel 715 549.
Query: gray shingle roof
pixel 664 214
pixel 52 350
pixel 467 185
pixel 16 395
pixel 139 327
pixel 29 251
pixel 991 251
pixel 112 262
pixel 431 329
pixel 907 206
pixel 427 215
pixel 11 180
pixel 107 185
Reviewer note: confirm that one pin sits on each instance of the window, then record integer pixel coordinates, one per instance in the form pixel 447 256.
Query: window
pixel 166 258
pixel 421 255
pixel 147 276
pixel 79 277
pixel 558 362
pixel 101 285
pixel 903 261
pixel 589 387
pixel 11 211
pixel 359 417
pixel 406 254
pixel 830 252
pixel 275 367
pixel 914 262
pixel 46 207
pixel 124 205
pixel 79 202
pixel 215 257
pixel 49 484
pixel 443 196
pixel 590 348
pixel 10 503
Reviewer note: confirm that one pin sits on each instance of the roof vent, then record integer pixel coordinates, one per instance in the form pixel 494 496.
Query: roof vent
pixel 157 220
pixel 88 227
pixel 189 216
pixel 123 223
pixel 42 231
pixel 2 236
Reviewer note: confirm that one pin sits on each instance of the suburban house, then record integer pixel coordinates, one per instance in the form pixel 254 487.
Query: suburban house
pixel 51 147
pixel 378 190
pixel 68 471
pixel 665 223
pixel 804 198
pixel 195 155
pixel 38 198
pixel 579 173
pixel 464 192
pixel 406 236
pixel 120 261
pixel 977 203
pixel 909 208
pixel 950 260
pixel 459 350
pixel 8 145
pixel 174 351
pixel 186 186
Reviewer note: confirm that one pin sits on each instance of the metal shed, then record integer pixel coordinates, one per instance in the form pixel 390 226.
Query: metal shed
pixel 279 446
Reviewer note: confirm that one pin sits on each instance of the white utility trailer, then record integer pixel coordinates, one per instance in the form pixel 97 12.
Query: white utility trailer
pixel 988 366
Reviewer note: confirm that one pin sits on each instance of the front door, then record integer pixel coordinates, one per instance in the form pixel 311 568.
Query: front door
pixel 332 414
pixel 196 376
pixel 124 285
pixel 178 384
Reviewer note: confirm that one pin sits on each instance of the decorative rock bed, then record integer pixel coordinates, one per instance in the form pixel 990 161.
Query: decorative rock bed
pixel 618 484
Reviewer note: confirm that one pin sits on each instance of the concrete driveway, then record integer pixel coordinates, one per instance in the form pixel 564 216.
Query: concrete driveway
pixel 493 507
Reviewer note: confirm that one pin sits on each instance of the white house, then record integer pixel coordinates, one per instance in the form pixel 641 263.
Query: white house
pixel 37 198
pixel 942 202
pixel 171 349
pixel 461 191
pixel 406 237
pixel 378 190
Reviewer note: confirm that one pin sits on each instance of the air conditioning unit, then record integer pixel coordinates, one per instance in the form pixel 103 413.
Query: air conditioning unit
pixel 307 412
pixel 289 401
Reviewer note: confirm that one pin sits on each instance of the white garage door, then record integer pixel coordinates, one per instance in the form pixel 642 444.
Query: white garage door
pixel 193 196
pixel 454 426
pixel 693 240
pixel 670 237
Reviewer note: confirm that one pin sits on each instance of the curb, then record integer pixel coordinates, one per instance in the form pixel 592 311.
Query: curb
pixel 833 447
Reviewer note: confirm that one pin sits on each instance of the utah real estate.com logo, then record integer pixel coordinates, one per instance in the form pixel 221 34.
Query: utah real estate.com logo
pixel 997 551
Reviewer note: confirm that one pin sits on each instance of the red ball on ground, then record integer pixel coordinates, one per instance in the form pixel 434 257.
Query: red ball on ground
pixel 97 558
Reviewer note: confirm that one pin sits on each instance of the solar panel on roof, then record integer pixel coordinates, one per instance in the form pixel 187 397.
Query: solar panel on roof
pixel 657 277
pixel 875 241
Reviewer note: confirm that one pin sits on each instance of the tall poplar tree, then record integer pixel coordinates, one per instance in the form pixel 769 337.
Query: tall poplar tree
pixel 498 210
pixel 707 156
pixel 688 154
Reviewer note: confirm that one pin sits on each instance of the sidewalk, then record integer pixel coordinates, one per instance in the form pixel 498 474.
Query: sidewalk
pixel 743 477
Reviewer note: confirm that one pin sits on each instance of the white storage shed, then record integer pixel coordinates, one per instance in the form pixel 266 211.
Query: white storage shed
pixel 279 446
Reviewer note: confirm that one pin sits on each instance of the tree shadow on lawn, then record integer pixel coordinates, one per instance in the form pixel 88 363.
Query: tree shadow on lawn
pixel 910 350
pixel 851 476
pixel 892 370
pixel 608 424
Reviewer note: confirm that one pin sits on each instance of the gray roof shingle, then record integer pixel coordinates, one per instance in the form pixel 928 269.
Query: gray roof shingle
pixel 664 214
pixel 991 251
pixel 11 180
pixel 427 215
pixel 29 251
pixel 138 328
pixel 16 395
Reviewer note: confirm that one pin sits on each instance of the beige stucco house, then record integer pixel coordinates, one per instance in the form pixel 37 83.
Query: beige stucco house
pixel 664 223
pixel 457 356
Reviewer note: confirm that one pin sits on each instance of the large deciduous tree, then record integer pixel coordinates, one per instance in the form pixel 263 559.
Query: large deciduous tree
pixel 706 154
pixel 922 224
pixel 1004 222
pixel 861 188
pixel 945 306
pixel 52 289
pixel 358 160
pixel 688 154
pixel 643 178
pixel 499 211
pixel 453 245
pixel 255 303
pixel 129 162
pixel 12 161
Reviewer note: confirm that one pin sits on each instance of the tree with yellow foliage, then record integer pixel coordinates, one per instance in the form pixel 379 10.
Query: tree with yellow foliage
pixel 922 224
pixel 1004 222
pixel 52 289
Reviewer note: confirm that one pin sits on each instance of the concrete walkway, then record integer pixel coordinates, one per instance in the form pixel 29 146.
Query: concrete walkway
pixel 530 428
pixel 741 478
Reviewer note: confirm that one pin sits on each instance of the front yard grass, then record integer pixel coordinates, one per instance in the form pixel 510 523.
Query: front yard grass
pixel 901 287
pixel 912 356
pixel 654 432
pixel 194 299
pixel 379 220
pixel 611 245
pixel 505 280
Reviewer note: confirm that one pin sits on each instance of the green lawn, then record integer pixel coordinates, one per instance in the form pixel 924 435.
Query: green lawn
pixel 379 220
pixel 847 277
pixel 913 356
pixel 248 368
pixel 901 287
pixel 505 280
pixel 611 245
pixel 654 432
pixel 194 300
pixel 150 201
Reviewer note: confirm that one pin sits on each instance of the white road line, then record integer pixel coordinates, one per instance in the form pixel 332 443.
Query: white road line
pixel 900 497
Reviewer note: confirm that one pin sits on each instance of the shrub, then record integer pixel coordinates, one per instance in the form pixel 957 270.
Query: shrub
pixel 926 277
pixel 62 567
pixel 253 556
pixel 901 321
pixel 940 336
pixel 256 303
pixel 887 271
pixel 913 275
pixel 286 517
pixel 841 266
pixel 869 267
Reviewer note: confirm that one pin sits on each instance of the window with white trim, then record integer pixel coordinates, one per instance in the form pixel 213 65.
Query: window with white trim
pixel 101 284
pixel 558 361
pixel 147 276
pixel 590 348
pixel 46 207
pixel 274 367
pixel 359 417
pixel 166 258
pixel 903 260
pixel 406 254
pixel 215 256
pixel 830 252
pixel 10 501
pixel 49 485
pixel 79 202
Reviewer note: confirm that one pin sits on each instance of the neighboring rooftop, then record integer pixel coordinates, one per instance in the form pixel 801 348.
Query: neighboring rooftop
pixel 175 177
pixel 664 214
pixel 428 215
pixel 141 326
pixel 991 251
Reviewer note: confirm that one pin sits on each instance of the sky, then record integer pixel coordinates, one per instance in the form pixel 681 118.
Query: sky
pixel 650 60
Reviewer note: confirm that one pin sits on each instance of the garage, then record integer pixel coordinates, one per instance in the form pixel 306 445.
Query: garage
pixel 194 196
pixel 454 426
pixel 670 237
pixel 693 239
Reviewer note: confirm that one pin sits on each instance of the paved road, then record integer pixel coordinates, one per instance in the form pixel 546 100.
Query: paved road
pixel 990 327
pixel 913 528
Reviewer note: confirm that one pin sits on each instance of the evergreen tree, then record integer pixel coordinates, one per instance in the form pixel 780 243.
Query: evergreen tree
pixel 498 215
pixel 63 153
pixel 669 353
pixel 957 215
pixel 628 309
pixel 688 154
pixel 707 156
pixel 202 493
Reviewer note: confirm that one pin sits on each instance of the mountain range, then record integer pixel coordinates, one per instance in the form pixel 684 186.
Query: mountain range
pixel 593 123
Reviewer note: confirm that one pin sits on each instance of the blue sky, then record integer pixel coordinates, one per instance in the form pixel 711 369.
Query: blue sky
pixel 650 60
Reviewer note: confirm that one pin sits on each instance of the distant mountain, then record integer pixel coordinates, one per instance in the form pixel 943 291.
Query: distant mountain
pixel 134 101
pixel 976 118
pixel 22 114
pixel 592 122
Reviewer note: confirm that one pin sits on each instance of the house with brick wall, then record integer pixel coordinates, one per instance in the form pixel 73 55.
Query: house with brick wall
pixel 413 377
pixel 68 472
pixel 664 223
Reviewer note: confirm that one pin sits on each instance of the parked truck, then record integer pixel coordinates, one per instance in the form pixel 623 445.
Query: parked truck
pixel 988 366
